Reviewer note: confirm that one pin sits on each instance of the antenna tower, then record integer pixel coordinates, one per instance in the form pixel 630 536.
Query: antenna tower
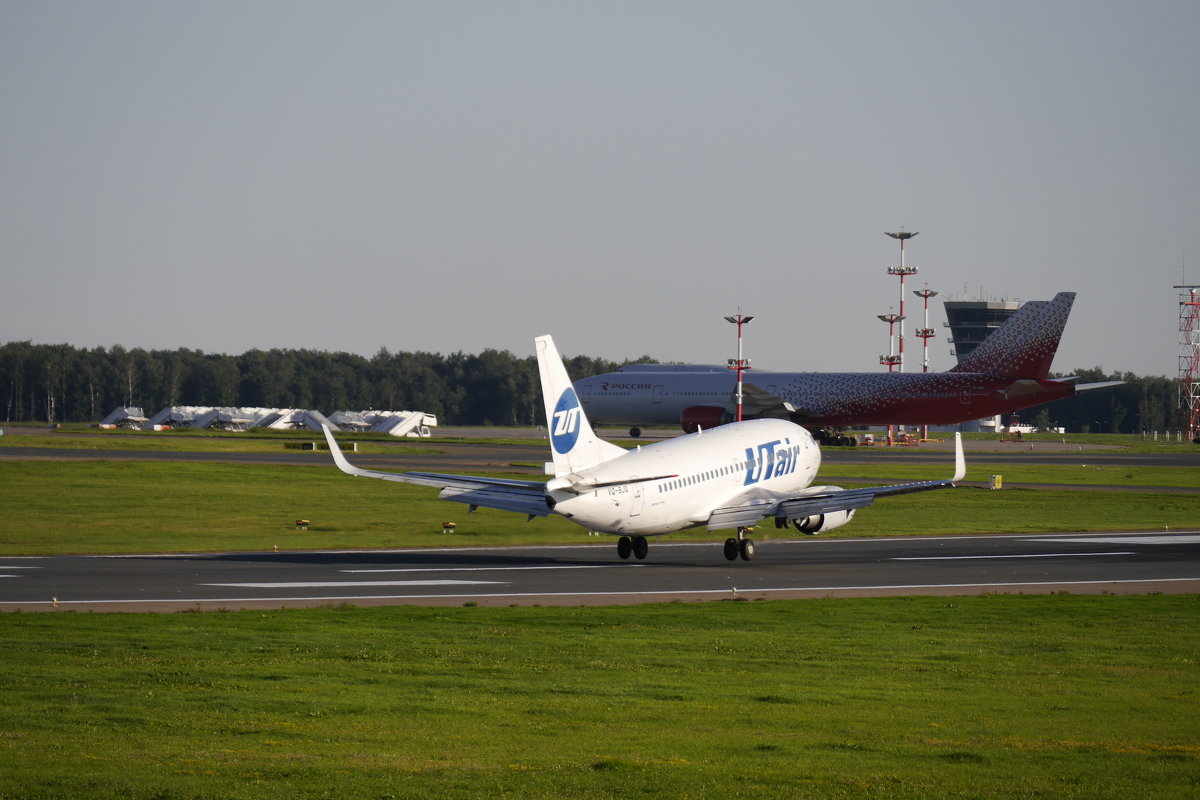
pixel 1189 357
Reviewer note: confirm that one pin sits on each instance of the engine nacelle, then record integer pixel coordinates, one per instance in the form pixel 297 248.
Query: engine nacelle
pixel 696 418
pixel 823 522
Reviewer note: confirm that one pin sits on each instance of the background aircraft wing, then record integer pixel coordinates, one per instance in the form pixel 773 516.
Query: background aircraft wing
pixel 524 497
pixel 756 400
pixel 827 500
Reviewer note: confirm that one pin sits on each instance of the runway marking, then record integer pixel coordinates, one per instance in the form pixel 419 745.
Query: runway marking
pixel 1009 584
pixel 1023 555
pixel 492 569
pixel 385 551
pixel 1159 539
pixel 336 584
pixel 1132 538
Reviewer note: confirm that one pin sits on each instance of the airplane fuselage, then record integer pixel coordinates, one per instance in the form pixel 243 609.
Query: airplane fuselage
pixel 759 461
pixel 817 399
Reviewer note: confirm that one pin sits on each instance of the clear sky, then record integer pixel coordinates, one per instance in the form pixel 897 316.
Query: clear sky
pixel 447 176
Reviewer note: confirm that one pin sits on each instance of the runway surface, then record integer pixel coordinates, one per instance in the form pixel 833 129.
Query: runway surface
pixel 593 574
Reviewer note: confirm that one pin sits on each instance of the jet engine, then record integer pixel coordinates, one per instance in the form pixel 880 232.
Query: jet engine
pixel 820 523
pixel 696 418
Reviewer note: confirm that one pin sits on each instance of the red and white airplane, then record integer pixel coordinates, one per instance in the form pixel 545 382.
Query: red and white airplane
pixel 734 477
pixel 1007 372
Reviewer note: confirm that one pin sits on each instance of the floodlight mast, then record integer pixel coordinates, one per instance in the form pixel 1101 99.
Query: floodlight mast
pixel 891 359
pixel 902 271
pixel 741 365
pixel 925 334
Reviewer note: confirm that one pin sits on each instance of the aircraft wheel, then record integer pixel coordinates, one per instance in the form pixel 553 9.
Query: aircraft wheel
pixel 624 547
pixel 640 547
pixel 731 549
pixel 746 549
pixel 635 432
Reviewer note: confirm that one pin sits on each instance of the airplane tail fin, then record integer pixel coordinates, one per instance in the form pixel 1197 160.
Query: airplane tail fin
pixel 1024 346
pixel 573 443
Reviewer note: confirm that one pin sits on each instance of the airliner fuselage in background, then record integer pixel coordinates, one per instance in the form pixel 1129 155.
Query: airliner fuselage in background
pixel 1007 372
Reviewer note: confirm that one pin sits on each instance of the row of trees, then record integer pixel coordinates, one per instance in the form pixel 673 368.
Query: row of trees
pixel 61 383
pixel 1140 404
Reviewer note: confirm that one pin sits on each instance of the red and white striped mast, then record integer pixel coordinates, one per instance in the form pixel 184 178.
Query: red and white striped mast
pixel 1189 357
pixel 925 333
pixel 742 364
pixel 902 271
pixel 891 359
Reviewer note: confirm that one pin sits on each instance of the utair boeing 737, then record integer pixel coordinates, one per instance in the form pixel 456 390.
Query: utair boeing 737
pixel 729 478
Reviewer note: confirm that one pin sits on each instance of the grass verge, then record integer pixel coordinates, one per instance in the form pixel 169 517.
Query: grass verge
pixel 56 507
pixel 980 697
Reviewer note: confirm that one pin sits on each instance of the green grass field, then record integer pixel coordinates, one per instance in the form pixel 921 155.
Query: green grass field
pixel 56 507
pixel 978 469
pixel 981 697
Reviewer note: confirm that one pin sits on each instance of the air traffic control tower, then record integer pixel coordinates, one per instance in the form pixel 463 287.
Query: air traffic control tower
pixel 970 321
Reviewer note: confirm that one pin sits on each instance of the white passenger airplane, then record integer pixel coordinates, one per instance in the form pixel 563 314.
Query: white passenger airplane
pixel 731 477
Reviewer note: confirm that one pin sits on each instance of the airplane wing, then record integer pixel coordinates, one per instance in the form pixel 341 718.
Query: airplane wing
pixel 756 400
pixel 827 500
pixel 525 497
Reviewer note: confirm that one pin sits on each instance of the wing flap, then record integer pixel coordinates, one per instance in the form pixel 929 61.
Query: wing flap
pixel 740 516
pixel 828 500
pixel 502 498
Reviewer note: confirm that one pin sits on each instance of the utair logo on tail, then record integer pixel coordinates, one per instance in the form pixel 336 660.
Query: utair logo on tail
pixel 564 423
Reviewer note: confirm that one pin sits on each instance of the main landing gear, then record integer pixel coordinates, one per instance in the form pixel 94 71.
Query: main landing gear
pixel 741 546
pixel 637 545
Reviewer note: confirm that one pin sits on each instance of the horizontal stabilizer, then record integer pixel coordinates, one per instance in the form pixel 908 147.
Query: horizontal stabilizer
pixel 1084 387
pixel 576 483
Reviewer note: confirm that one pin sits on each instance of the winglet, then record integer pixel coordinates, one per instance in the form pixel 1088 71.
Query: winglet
pixel 339 459
pixel 960 463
